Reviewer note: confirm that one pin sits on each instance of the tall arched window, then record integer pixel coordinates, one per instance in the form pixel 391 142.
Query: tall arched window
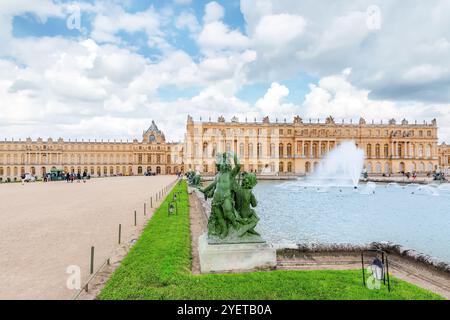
pixel 378 167
pixel 314 150
pixel 250 150
pixel 196 149
pixel 421 167
pixel 369 151
pixel 307 167
pixel 241 150
pixel 429 151
pixel 386 150
pixel 377 151
pixel 272 150
pixel 205 149
pixel 289 150
pixel 259 150
pixel 324 148
pixel 280 150
pixel 289 167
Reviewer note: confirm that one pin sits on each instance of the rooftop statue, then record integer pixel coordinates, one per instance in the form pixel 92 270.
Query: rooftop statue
pixel 330 120
pixel 232 218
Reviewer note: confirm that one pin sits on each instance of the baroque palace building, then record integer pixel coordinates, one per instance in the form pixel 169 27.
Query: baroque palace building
pixel 151 154
pixel 297 147
pixel 265 147
pixel 444 157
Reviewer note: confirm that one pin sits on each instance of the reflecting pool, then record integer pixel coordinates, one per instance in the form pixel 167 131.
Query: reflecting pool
pixel 414 216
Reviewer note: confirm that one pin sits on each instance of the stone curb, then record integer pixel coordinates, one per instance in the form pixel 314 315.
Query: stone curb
pixel 389 247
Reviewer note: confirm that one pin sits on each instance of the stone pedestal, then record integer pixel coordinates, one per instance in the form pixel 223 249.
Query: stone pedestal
pixel 235 257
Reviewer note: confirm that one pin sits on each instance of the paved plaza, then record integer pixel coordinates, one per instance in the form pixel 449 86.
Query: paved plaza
pixel 46 227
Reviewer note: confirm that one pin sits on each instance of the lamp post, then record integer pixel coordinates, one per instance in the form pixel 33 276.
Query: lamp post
pixel 172 208
pixel 379 268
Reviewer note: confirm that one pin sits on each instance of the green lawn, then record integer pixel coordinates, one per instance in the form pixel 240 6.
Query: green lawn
pixel 159 267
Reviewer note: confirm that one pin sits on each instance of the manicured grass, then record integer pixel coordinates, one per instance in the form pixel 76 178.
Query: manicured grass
pixel 159 267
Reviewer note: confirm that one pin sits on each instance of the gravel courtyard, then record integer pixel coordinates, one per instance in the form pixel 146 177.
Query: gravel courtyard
pixel 46 227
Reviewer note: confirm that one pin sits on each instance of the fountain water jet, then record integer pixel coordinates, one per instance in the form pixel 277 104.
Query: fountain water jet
pixel 369 188
pixel 427 190
pixel 341 167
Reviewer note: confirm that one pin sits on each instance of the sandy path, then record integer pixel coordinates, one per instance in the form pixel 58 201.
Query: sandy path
pixel 45 227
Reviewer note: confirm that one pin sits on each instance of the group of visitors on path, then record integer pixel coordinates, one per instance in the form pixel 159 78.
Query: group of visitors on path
pixel 71 177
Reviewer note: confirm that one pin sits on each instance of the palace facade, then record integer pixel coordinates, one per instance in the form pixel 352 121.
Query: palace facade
pixel 266 147
pixel 444 157
pixel 151 154
pixel 297 147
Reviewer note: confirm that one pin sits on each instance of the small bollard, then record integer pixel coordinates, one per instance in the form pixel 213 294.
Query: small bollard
pixel 92 260
pixel 151 202
pixel 120 232
pixel 145 209
pixel 135 218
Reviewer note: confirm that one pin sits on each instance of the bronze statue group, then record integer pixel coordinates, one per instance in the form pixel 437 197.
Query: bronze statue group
pixel 232 214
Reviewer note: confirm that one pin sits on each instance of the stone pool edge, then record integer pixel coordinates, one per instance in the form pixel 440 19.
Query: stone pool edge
pixel 407 264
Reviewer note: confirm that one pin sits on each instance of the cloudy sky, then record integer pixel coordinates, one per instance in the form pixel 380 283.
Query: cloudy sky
pixel 106 68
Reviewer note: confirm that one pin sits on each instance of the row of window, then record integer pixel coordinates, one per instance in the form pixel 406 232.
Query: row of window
pixel 78 159
pixel 85 147
pixel 105 170
pixel 316 132
pixel 400 150
pixel 413 167
pixel 313 150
